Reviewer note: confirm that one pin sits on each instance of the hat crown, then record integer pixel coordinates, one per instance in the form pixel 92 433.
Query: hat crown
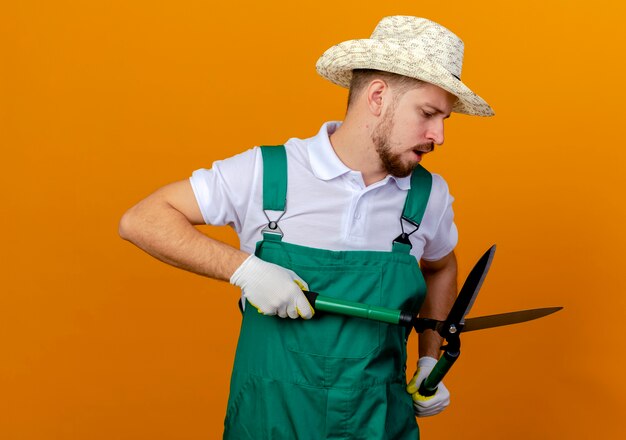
pixel 424 38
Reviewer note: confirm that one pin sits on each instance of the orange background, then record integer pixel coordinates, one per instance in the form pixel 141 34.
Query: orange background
pixel 103 102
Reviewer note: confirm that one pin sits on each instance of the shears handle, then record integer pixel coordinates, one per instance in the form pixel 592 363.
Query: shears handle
pixel 428 387
pixel 360 310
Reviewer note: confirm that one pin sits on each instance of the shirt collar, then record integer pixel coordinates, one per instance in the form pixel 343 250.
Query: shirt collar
pixel 326 164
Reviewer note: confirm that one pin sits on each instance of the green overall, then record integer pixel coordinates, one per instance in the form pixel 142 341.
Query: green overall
pixel 331 377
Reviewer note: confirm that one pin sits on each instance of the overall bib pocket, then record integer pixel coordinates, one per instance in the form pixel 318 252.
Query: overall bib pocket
pixel 337 336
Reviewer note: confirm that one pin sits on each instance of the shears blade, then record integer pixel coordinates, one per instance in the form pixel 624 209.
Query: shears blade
pixel 471 287
pixel 482 322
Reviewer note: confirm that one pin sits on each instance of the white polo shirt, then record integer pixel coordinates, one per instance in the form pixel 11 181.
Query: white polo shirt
pixel 328 204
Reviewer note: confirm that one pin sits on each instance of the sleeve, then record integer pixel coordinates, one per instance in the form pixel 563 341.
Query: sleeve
pixel 443 235
pixel 224 191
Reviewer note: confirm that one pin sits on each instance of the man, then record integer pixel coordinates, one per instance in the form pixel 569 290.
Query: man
pixel 347 213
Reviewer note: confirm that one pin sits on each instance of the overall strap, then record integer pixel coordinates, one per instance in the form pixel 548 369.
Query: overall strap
pixel 414 206
pixel 274 185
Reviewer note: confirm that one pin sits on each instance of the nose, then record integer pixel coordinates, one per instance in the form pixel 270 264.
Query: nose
pixel 435 132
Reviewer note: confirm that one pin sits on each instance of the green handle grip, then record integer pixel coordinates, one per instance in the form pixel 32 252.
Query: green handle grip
pixel 428 387
pixel 352 308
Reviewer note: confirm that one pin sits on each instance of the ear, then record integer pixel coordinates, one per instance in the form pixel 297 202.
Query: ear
pixel 377 94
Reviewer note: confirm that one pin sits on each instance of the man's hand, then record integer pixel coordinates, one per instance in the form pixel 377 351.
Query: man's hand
pixel 272 289
pixel 427 406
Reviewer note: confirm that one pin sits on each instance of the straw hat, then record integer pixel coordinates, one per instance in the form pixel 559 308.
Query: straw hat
pixel 409 46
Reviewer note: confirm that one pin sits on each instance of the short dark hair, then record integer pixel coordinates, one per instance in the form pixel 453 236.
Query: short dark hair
pixel 362 77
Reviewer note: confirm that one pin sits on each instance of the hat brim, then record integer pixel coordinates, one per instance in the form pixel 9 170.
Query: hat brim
pixel 338 62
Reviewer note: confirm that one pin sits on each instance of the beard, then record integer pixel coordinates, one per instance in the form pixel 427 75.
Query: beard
pixel 392 162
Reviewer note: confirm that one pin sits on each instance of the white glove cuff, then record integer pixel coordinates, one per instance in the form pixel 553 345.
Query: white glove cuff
pixel 426 362
pixel 236 277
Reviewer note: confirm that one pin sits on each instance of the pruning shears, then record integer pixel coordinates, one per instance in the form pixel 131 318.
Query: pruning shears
pixel 450 329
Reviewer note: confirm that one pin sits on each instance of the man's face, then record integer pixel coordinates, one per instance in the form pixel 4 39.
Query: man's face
pixel 410 127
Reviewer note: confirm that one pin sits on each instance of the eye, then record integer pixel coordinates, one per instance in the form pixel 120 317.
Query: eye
pixel 427 114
